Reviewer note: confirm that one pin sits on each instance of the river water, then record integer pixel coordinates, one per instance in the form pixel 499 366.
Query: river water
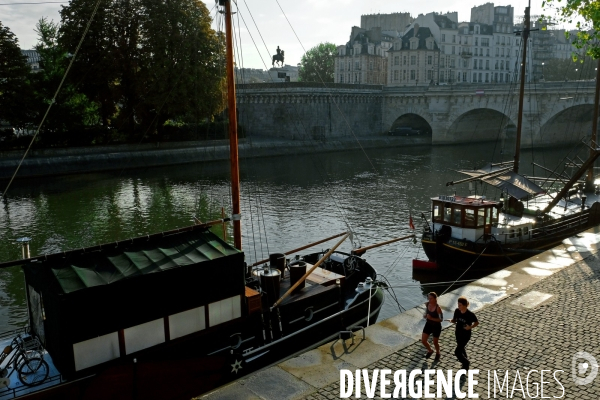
pixel 286 203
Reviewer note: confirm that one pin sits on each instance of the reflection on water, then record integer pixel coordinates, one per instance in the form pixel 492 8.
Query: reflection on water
pixel 286 202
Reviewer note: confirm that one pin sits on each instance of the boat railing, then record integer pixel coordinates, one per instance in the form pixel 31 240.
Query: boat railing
pixel 14 332
pixel 562 224
pixel 16 392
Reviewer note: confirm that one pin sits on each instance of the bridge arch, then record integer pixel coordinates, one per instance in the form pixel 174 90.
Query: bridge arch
pixel 414 121
pixel 482 125
pixel 572 124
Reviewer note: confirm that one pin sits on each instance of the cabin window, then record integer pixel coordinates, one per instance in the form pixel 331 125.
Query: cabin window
pixel 469 218
pixel 186 322
pixel 526 231
pixel 494 215
pixel 96 351
pixel 480 217
pixel 448 214
pixel 457 216
pixel 224 310
pixel 145 335
pixel 519 232
pixel 511 234
pixel 488 216
pixel 437 212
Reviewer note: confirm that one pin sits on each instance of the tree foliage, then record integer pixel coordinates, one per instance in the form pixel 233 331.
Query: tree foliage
pixel 586 15
pixel 145 62
pixel 317 64
pixel 14 80
pixel 72 111
pixel 569 70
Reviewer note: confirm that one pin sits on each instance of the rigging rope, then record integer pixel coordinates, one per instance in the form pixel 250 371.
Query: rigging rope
pixel 87 27
pixel 339 209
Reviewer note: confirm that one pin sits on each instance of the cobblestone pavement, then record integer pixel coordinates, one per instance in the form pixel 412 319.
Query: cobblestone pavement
pixel 522 334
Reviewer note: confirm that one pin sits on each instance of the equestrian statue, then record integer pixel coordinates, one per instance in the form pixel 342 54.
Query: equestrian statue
pixel 278 57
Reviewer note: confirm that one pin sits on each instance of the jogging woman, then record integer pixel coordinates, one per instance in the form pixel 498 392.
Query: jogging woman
pixel 433 325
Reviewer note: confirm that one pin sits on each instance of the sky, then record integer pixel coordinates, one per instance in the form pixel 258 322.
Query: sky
pixel 293 25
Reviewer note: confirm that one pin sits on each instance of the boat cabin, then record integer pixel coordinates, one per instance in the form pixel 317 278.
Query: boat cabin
pixel 468 217
pixel 100 306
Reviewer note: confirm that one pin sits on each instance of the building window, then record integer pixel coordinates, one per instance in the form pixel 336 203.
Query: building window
pixel 453 38
pixel 443 37
pixel 487 64
pixel 452 63
pixel 485 42
pixel 412 74
pixel 497 52
pixel 496 66
pixel 487 52
pixel 480 64
pixel 404 75
pixel 396 75
pixel 487 77
pixel 477 29
pixel 429 74
pixel 404 60
pixel 443 49
pixel 464 76
pixel 356 65
pixel 397 60
pixel 474 77
pixel 429 60
pixel 480 77
pixel 476 41
pixel 442 62
pixel 413 60
pixel 341 78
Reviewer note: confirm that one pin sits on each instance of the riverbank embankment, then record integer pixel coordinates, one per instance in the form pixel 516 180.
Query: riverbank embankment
pixel 537 321
pixel 48 162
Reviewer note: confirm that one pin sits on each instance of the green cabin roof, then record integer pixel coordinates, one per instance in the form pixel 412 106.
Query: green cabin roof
pixel 115 264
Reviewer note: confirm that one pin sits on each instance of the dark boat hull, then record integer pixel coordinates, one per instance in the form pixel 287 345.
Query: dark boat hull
pixel 182 372
pixel 462 254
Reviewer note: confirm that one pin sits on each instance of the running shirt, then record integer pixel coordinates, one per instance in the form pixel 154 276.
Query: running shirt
pixel 433 314
pixel 462 320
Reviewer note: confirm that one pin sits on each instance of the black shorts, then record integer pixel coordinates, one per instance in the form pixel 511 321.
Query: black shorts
pixel 433 328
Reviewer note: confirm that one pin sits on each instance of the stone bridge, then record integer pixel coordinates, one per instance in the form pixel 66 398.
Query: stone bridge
pixel 554 112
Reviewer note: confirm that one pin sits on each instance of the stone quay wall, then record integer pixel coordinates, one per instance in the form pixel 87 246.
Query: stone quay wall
pixel 299 112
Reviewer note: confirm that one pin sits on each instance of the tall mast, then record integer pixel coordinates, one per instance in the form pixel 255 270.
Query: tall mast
pixel 233 137
pixel 589 181
pixel 524 36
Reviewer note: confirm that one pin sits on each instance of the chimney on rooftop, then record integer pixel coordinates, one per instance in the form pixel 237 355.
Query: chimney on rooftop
pixel 416 29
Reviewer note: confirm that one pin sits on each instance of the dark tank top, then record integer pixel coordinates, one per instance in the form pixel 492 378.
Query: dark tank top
pixel 434 314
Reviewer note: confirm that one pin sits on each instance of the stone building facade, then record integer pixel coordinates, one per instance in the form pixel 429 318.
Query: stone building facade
pixel 414 58
pixel 387 22
pixel 363 60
